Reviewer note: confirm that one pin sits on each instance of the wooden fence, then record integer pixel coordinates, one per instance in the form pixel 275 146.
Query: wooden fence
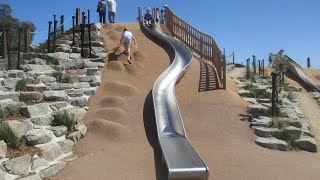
pixel 201 44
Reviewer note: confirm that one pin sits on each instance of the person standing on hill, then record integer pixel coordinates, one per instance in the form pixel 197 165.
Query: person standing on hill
pixel 126 39
pixel 102 9
pixel 112 8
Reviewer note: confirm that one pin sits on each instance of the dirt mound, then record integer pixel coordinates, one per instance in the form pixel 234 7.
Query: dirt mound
pixel 113 114
pixel 113 35
pixel 139 56
pixel 119 28
pixel 132 69
pixel 120 89
pixel 115 65
pixel 108 129
pixel 113 101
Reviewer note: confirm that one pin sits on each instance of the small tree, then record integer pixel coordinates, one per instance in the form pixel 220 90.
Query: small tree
pixel 280 67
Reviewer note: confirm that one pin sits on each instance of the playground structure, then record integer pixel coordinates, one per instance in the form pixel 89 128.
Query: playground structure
pixel 181 159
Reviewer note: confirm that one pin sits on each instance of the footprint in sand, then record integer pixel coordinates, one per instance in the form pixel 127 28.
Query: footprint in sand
pixel 108 129
pixel 113 114
pixel 113 101
pixel 120 89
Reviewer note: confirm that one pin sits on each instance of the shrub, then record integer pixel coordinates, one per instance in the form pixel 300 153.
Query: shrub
pixel 11 111
pixel 278 123
pixel 65 119
pixel 289 137
pixel 291 96
pixel 57 75
pixel 8 136
pixel 21 85
pixel 2 115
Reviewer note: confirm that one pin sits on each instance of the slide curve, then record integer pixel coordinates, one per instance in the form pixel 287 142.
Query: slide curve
pixel 298 72
pixel 182 160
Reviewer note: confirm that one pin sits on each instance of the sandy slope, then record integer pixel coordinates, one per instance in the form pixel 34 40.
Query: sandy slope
pixel 117 147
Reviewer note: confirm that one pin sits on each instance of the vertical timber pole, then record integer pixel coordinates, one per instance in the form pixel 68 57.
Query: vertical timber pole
pixel 263 68
pixel 8 48
pixel 224 70
pixel 19 48
pixel 49 34
pixel 248 68
pixel 54 33
pixel 259 67
pixel 308 62
pixel 4 44
pixel 254 64
pixel 78 17
pixel 27 40
pixel 273 98
pixel 73 19
pixel 88 16
pixel 82 32
pixel 233 60
pixel 61 24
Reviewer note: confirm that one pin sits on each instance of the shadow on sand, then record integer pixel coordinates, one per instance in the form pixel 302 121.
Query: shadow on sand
pixel 150 126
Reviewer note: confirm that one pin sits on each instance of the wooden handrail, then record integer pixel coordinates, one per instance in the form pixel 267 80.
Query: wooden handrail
pixel 200 43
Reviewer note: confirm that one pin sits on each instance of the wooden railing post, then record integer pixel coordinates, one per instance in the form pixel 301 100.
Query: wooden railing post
pixel 224 71
pixel 8 48
pixel 27 40
pixel 49 35
pixel 78 17
pixel 4 44
pixel 19 48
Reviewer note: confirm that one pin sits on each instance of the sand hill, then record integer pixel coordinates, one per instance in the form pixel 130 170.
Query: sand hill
pixel 121 124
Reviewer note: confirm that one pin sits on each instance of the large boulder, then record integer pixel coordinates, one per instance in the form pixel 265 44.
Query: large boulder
pixel 58 56
pixel 47 79
pixel 38 136
pixel 42 120
pixel 3 149
pixel 31 177
pixel 257 109
pixel 59 105
pixel 272 143
pixel 81 85
pixel 16 74
pixel 9 95
pixel 266 132
pixel 20 129
pixel 59 130
pixel 63 48
pixel 30 96
pixel 55 96
pixel 37 87
pixel 51 152
pixel 36 110
pixel 52 170
pixel 66 145
pixel 37 61
pixel 262 121
pixel 78 101
pixel 307 144
pixel 38 162
pixel 61 86
pixel 19 166
pixel 72 64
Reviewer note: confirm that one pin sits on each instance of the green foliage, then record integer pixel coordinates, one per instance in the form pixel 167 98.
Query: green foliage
pixel 253 79
pixel 11 111
pixel 7 21
pixel 291 96
pixel 61 76
pixel 21 85
pixel 8 136
pixel 65 119
pixel 289 137
pixel 277 123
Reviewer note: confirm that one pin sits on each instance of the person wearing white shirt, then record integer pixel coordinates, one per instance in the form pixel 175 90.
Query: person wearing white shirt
pixel 126 39
pixel 112 8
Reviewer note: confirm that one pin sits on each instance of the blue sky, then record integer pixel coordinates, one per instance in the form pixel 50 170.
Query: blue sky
pixel 247 27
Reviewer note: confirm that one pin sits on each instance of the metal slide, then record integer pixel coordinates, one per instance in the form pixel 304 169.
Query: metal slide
pixel 182 160
pixel 297 71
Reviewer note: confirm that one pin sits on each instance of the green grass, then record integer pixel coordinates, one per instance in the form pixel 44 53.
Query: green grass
pixel 8 136
pixel 12 111
pixel 289 137
pixel 21 85
pixel 277 123
pixel 65 119
pixel 61 76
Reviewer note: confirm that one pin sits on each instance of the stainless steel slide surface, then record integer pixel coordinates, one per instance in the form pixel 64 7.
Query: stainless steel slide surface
pixel 296 70
pixel 182 160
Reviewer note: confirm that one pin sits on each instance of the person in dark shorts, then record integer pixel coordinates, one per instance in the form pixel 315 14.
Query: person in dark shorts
pixel 102 9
